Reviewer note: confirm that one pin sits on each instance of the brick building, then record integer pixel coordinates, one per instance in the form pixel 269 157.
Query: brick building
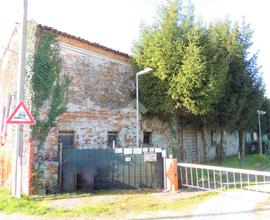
pixel 100 111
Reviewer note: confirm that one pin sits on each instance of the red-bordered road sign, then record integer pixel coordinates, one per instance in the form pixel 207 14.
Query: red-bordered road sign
pixel 21 115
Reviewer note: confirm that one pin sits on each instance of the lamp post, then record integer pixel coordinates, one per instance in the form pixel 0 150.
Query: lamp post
pixel 143 72
pixel 260 132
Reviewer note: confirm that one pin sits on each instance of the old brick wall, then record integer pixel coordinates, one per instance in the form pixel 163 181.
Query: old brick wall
pixel 99 98
pixel 100 101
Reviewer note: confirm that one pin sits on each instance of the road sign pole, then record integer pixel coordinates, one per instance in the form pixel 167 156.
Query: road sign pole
pixel 17 185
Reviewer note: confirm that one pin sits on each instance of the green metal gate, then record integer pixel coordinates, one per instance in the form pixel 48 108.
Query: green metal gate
pixel 89 169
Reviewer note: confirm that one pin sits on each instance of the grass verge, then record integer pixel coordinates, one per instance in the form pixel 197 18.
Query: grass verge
pixel 251 161
pixel 101 204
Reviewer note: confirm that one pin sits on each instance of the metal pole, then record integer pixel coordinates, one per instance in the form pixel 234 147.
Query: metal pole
pixel 137 112
pixel 164 169
pixel 145 71
pixel 260 134
pixel 17 187
pixel 60 165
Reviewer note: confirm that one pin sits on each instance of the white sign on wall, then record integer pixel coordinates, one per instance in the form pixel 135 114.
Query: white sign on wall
pixel 127 150
pixel 151 157
pixel 127 159
pixel 158 150
pixel 145 150
pixel 118 150
pixel 151 149
pixel 137 150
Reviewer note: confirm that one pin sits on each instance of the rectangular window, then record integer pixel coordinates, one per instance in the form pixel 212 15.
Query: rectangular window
pixel 66 138
pixel 112 138
pixel 147 137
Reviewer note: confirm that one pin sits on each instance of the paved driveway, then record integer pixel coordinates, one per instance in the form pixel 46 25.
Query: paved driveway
pixel 240 205
pixel 232 205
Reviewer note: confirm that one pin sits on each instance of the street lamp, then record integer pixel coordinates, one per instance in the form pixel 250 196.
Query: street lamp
pixel 260 132
pixel 143 72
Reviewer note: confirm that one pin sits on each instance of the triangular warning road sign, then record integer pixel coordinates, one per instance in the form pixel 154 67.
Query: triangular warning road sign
pixel 21 115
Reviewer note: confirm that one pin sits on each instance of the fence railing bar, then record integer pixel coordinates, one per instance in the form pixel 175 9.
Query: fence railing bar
pixel 208 179
pixel 181 173
pixel 248 181
pixel 202 178
pixel 197 179
pixel 234 181
pixel 256 182
pixel 220 178
pixel 263 183
pixel 241 185
pixel 186 175
pixel 228 187
pixel 215 185
pixel 225 169
pixel 230 178
pixel 199 187
pixel 191 173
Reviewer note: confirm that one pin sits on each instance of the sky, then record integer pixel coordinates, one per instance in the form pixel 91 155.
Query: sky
pixel 116 23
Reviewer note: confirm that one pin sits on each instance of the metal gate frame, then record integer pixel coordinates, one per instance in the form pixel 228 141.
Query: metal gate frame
pixel 113 170
pixel 220 178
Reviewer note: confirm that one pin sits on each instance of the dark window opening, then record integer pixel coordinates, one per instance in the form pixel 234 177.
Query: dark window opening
pixel 80 182
pixel 66 138
pixel 112 139
pixel 213 138
pixel 147 137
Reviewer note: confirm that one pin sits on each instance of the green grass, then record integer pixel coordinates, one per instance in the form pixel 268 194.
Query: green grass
pixel 25 205
pixel 100 204
pixel 253 162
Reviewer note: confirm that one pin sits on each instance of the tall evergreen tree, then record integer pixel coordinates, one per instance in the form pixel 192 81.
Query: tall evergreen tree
pixel 208 73
pixel 243 89
pixel 174 48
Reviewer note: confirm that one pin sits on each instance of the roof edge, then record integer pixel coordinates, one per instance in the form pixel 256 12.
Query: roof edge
pixel 66 35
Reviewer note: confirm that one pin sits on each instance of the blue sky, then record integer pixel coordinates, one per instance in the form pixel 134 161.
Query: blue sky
pixel 116 23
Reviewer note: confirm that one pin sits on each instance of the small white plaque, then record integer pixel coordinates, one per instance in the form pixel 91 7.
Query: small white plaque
pixel 127 150
pixel 158 150
pixel 151 157
pixel 137 150
pixel 145 150
pixel 127 159
pixel 151 149
pixel 118 150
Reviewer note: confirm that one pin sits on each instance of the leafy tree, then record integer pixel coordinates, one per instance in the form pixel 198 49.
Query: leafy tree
pixel 204 73
pixel 218 57
pixel 243 89
pixel 173 48
pixel 251 92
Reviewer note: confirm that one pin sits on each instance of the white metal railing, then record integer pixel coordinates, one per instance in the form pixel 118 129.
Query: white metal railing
pixel 221 178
